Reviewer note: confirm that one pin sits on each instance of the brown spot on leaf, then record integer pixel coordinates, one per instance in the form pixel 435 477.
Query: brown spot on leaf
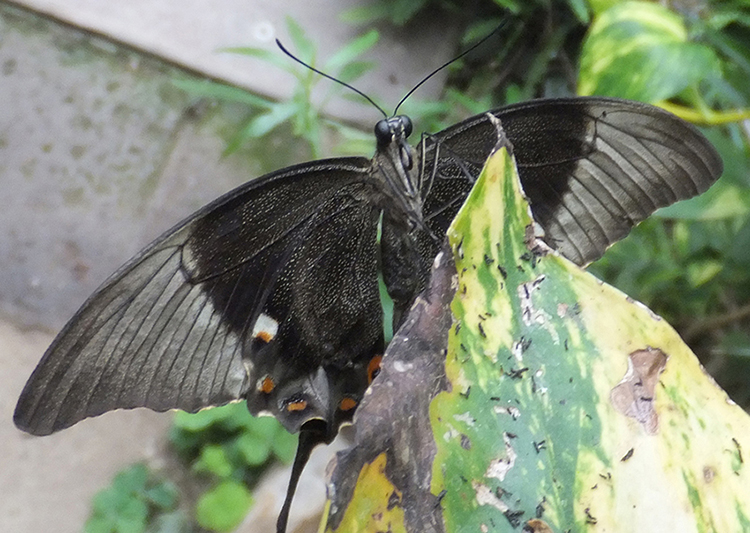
pixel 708 474
pixel 634 395
pixel 536 525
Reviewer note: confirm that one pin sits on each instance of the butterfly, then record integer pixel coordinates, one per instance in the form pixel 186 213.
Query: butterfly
pixel 270 293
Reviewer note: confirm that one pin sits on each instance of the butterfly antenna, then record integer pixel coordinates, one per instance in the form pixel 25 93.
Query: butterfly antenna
pixel 298 60
pixel 441 67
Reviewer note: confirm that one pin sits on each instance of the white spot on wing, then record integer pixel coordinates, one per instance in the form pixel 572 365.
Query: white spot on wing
pixel 265 324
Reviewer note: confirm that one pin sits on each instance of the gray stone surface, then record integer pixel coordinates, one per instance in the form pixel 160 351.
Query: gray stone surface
pixel 192 33
pixel 99 153
pixel 47 483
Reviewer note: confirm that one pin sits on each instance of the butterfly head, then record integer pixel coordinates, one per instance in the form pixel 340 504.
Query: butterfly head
pixel 393 132
pixel 398 164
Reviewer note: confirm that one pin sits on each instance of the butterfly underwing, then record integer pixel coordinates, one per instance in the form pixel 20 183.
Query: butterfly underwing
pixel 270 293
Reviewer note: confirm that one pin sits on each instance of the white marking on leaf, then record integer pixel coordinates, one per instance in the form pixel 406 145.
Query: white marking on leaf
pixel 499 468
pixel 485 496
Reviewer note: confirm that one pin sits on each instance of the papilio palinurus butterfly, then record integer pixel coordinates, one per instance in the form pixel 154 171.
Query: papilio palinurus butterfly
pixel 270 293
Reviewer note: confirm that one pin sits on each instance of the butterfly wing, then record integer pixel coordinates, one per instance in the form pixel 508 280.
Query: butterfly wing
pixel 591 167
pixel 267 293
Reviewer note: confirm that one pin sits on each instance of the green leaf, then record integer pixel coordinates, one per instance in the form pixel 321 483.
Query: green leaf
pixel 132 517
pixel 722 201
pixel 351 51
pixel 223 507
pixel 269 56
pixel 262 124
pixel 303 46
pixel 108 501
pixel 213 458
pixel 265 427
pixel 164 495
pixel 480 29
pixel 721 18
pixel 220 91
pixel 701 272
pixel 284 446
pixel 354 71
pixel 174 522
pixel 203 419
pixel 237 418
pixel 402 11
pixel 514 6
pixel 98 524
pixel 131 480
pixel 640 51
pixel 600 6
pixel 560 352
pixel 365 14
pixel 254 450
pixel 568 406
pixel 580 9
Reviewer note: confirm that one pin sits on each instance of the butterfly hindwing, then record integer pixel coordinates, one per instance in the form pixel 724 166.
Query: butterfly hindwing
pixel 591 167
pixel 175 327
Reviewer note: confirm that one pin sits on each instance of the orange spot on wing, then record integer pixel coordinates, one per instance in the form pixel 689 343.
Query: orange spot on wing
pixel 300 405
pixel 264 336
pixel 373 368
pixel 267 385
pixel 347 404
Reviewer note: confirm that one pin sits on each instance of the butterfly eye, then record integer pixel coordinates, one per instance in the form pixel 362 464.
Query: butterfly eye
pixel 383 133
pixel 406 124
pixel 373 368
pixel 347 404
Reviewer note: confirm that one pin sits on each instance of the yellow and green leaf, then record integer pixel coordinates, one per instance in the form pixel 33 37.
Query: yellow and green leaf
pixel 568 406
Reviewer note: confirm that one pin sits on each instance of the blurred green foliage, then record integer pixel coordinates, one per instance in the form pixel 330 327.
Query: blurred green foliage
pixel 137 501
pixel 229 449
pixel 301 110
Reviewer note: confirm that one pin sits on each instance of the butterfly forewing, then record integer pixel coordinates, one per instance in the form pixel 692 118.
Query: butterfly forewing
pixel 175 326
pixel 591 167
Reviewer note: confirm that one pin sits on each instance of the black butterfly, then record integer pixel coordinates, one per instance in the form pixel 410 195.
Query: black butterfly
pixel 270 293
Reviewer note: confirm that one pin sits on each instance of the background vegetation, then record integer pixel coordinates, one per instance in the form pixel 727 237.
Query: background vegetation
pixel 690 263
